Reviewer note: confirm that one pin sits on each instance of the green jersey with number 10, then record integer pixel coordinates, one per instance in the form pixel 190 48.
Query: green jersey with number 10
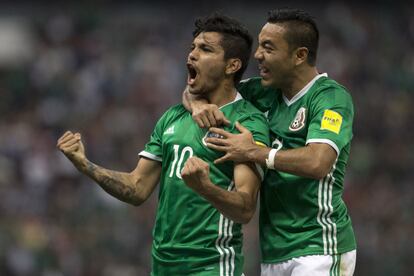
pixel 191 237
pixel 301 216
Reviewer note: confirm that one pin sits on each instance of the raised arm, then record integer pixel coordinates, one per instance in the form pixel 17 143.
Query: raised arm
pixel 134 187
pixel 238 203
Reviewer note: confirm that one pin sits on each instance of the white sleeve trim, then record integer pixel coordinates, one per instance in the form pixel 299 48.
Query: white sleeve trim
pixel 324 141
pixel 150 156
pixel 260 171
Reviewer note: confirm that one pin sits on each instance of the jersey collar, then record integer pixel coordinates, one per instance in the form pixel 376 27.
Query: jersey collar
pixel 303 91
pixel 237 98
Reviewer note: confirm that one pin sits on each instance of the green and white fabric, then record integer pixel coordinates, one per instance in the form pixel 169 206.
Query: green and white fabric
pixel 191 237
pixel 301 216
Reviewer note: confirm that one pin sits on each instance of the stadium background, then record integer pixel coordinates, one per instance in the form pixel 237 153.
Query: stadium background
pixel 110 70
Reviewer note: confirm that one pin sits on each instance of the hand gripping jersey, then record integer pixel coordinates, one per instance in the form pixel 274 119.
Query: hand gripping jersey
pixel 191 237
pixel 301 216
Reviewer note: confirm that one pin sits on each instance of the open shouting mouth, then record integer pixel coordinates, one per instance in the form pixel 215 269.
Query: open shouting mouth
pixel 192 74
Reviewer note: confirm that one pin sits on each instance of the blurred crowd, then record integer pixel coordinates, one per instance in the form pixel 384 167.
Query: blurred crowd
pixel 110 72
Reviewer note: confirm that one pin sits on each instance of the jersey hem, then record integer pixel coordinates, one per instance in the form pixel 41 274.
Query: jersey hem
pixel 289 257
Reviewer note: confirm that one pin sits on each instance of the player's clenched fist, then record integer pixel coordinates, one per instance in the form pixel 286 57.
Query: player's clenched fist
pixel 71 145
pixel 196 173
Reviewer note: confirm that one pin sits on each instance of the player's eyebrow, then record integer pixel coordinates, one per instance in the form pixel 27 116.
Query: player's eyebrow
pixel 204 45
pixel 213 44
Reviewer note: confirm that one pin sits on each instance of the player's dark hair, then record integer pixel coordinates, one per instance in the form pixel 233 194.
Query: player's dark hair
pixel 301 30
pixel 236 40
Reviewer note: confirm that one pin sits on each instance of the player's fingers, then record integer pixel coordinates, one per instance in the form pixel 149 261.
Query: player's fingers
pixel 190 162
pixel 198 163
pixel 68 132
pixel 184 170
pixel 216 147
pixel 64 137
pixel 70 149
pixel 68 138
pixel 241 128
pixel 70 143
pixel 65 144
pixel 226 122
pixel 222 159
pixel 198 121
pixel 206 121
pixel 220 118
pixel 202 164
pixel 211 119
pixel 217 141
pixel 188 168
pixel 220 131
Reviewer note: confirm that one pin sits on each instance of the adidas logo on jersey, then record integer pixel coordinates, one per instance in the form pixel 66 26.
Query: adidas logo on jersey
pixel 170 130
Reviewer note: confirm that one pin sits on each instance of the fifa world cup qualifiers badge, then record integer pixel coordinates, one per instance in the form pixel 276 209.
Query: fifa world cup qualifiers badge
pixel 210 134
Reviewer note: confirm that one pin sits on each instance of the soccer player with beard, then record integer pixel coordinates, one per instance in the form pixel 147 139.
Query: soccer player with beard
pixel 201 205
pixel 305 228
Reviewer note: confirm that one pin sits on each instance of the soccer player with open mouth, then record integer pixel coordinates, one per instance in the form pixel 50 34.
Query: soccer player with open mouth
pixel 202 206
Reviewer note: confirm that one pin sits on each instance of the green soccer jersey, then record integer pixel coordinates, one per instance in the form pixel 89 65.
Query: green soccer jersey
pixel 191 237
pixel 301 216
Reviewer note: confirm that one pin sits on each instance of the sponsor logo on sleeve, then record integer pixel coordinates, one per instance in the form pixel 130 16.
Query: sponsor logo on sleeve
pixel 331 121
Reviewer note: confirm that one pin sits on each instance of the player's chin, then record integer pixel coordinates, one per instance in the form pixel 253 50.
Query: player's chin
pixel 196 90
pixel 193 90
pixel 267 82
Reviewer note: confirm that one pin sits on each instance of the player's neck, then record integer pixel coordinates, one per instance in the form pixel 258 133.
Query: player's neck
pixel 223 94
pixel 300 80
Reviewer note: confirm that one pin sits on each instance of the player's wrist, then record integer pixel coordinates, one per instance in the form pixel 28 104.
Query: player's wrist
pixel 206 188
pixel 81 164
pixel 253 153
pixel 270 159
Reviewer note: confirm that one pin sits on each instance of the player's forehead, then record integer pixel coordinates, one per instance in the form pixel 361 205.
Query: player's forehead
pixel 272 32
pixel 209 38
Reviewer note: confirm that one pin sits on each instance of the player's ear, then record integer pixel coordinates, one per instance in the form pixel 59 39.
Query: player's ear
pixel 233 65
pixel 301 55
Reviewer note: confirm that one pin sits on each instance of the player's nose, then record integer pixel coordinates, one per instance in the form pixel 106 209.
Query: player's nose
pixel 258 54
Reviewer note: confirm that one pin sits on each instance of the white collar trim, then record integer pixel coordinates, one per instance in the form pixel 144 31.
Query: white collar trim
pixel 237 98
pixel 304 90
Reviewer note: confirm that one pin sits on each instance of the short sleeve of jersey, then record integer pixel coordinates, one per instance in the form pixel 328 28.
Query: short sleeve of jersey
pixel 258 126
pixel 331 117
pixel 253 91
pixel 153 149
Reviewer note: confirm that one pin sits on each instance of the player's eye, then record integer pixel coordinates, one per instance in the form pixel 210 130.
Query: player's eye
pixel 206 49
pixel 267 48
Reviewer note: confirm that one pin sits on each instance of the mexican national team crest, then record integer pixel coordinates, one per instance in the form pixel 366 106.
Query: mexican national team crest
pixel 299 122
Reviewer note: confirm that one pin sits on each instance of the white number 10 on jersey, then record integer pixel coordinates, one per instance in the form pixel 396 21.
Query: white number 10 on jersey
pixel 180 161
